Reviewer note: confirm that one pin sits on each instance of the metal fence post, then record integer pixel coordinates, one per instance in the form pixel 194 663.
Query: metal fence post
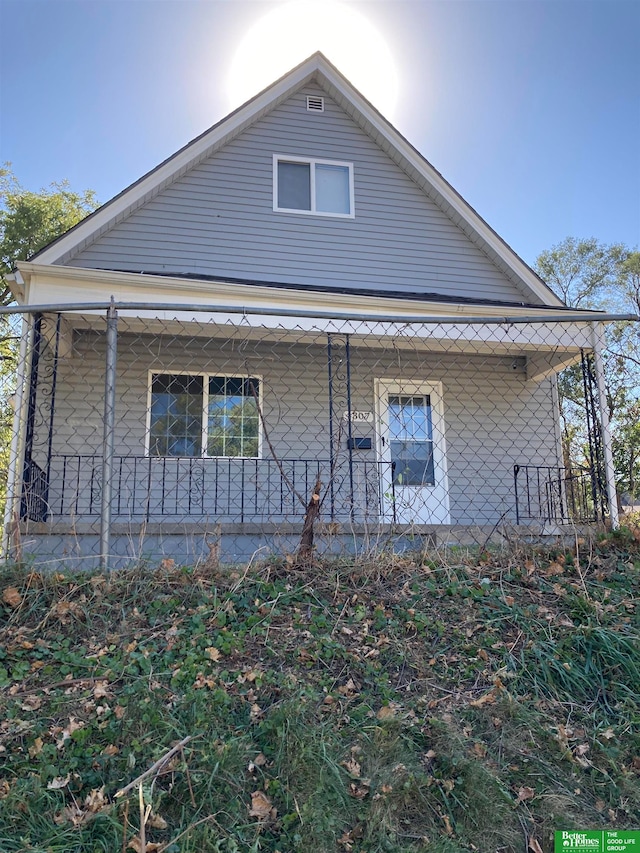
pixel 14 482
pixel 596 331
pixel 108 434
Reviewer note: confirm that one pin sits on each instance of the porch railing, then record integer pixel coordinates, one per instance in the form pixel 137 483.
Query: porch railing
pixel 556 494
pixel 229 489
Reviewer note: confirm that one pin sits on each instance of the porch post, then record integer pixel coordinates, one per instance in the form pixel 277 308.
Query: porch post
pixel 14 486
pixel 108 434
pixel 596 336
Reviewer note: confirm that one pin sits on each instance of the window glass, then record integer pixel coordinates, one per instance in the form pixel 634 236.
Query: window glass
pixel 294 185
pixel 177 401
pixel 411 440
pixel 176 415
pixel 233 420
pixel 332 189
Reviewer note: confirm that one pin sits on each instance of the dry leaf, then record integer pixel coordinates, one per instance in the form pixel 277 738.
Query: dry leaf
pixel 157 821
pixel 213 653
pixel 58 783
pixel 488 699
pixel 95 800
pixel 31 703
pixel 261 805
pixel 608 734
pixel 447 825
pixel 352 767
pixel 36 747
pixel 525 794
pixel 534 845
pixel 387 712
pixel 509 600
pixel 482 654
pixel 112 749
pixel 12 597
pixel 135 843
pixel 479 749
pixel 359 792
pixel 259 760
pixel 100 690
pixel 582 749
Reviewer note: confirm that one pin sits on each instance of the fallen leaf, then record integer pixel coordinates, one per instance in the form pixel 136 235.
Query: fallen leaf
pixel 608 734
pixel 58 783
pixel 95 800
pixel 387 712
pixel 12 597
pixel 488 699
pixel 582 749
pixel 157 821
pixel 31 703
pixel 352 767
pixel 36 747
pixel 447 825
pixel 359 792
pixel 213 653
pixel 534 845
pixel 112 749
pixel 261 805
pixel 136 844
pixel 100 690
pixel 259 760
pixel 525 794
pixel 479 749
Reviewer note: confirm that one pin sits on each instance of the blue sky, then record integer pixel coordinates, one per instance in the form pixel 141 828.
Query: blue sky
pixel 530 108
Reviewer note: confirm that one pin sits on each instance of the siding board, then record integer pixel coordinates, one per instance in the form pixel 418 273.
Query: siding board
pixel 217 220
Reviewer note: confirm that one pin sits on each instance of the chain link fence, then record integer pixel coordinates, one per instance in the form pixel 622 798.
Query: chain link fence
pixel 167 432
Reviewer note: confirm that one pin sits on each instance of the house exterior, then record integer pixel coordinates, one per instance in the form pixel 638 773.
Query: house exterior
pixel 298 298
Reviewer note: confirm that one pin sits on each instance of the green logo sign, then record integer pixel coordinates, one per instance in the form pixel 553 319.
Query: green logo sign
pixel 606 841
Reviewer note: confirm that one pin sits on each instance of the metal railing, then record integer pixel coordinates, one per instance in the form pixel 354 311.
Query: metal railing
pixel 228 489
pixel 556 495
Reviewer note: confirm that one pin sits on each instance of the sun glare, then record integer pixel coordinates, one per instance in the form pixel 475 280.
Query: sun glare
pixel 290 33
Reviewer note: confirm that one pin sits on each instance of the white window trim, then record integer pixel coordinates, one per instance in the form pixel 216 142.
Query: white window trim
pixel 205 411
pixel 313 162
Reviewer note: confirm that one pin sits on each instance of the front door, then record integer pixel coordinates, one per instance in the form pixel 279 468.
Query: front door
pixel 411 448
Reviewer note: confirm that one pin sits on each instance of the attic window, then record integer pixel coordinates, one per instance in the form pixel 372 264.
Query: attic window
pixel 315 104
pixel 322 187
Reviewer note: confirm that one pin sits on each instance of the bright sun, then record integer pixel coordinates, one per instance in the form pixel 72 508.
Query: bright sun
pixel 293 31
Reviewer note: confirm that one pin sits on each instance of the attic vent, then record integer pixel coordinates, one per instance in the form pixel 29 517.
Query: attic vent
pixel 315 104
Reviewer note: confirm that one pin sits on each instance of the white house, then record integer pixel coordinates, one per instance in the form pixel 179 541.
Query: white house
pixel 299 295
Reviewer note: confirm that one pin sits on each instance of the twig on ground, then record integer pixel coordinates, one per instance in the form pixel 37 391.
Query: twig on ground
pixel 155 767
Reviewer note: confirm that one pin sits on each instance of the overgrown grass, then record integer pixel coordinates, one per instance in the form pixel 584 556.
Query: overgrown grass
pixel 429 702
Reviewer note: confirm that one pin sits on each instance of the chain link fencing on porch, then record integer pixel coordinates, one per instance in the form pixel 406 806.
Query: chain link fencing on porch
pixel 149 432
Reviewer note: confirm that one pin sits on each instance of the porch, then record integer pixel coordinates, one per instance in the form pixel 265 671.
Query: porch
pixel 204 423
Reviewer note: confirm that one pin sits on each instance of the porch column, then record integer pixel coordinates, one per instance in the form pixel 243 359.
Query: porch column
pixel 597 342
pixel 16 451
pixel 108 434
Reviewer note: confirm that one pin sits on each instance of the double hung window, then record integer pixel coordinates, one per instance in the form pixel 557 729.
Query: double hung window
pixel 203 415
pixel 323 187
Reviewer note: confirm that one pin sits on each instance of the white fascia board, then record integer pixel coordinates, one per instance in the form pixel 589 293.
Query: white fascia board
pixel 60 285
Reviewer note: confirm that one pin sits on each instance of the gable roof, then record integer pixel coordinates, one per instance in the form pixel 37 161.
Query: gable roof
pixel 317 69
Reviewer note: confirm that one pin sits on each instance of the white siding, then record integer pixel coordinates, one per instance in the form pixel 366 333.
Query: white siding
pixel 217 220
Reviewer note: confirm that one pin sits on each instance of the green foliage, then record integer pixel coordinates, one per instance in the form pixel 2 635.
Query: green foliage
pixel 589 274
pixel 30 220
pixel 464 699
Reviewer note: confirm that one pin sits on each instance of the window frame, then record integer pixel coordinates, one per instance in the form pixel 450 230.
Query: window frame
pixel 312 162
pixel 204 436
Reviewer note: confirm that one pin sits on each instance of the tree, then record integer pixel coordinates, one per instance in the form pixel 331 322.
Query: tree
pixel 589 274
pixel 583 273
pixel 30 220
